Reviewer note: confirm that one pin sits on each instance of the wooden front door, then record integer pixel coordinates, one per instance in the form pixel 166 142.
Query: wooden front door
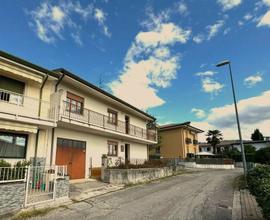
pixel 72 155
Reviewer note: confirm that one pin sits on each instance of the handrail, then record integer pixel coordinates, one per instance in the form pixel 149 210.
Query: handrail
pixel 100 120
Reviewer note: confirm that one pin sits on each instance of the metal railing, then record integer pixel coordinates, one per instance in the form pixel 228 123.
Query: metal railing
pixel 97 119
pixel 20 105
pixel 12 174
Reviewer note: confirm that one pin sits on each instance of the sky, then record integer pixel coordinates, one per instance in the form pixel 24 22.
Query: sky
pixel 158 55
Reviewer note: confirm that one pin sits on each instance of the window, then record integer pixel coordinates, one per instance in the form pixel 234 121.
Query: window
pixel 12 145
pixel 188 141
pixel 112 148
pixel 70 143
pixel 112 117
pixel 195 142
pixel 74 103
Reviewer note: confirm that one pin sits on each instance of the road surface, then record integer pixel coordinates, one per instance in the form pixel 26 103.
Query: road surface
pixel 206 194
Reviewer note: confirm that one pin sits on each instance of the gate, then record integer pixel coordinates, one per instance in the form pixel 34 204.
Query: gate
pixel 41 183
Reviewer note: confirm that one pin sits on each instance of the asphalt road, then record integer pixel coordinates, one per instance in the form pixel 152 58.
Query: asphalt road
pixel 201 195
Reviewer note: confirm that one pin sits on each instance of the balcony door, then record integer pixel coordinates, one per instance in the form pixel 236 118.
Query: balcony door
pixel 127 124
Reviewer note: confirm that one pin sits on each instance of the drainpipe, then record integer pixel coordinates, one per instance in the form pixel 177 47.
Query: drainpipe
pixel 41 92
pixel 39 111
pixel 53 129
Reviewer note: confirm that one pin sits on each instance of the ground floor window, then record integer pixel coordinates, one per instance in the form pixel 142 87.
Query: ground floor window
pixel 13 145
pixel 112 148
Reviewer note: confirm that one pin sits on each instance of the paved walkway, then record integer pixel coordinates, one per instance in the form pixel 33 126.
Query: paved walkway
pixel 249 207
pixel 91 188
pixel 205 195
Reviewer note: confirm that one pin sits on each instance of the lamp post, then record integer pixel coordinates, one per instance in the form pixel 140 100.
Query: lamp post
pixel 223 63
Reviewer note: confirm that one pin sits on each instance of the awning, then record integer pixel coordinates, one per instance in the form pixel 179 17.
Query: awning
pixel 204 154
pixel 13 126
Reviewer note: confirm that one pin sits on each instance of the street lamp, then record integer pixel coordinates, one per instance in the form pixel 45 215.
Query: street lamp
pixel 223 63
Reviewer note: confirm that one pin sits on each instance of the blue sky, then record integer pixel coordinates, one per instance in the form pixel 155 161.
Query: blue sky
pixel 157 55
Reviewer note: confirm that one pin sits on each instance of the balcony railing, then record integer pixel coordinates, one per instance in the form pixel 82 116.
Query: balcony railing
pixel 20 105
pixel 97 119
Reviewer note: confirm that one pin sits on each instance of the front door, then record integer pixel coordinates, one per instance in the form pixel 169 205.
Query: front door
pixel 71 153
pixel 127 152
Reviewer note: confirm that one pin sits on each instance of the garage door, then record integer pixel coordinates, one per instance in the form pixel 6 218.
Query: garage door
pixel 71 153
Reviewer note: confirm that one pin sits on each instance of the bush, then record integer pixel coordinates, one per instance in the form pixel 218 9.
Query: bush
pixel 258 180
pixel 4 163
pixel 146 164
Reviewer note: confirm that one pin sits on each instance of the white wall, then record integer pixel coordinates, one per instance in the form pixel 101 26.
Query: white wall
pixel 96 104
pixel 97 145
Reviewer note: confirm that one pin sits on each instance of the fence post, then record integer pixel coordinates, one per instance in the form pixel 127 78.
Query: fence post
pixel 27 177
pixel 54 182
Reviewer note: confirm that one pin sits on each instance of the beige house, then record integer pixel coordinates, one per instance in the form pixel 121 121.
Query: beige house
pixel 55 117
pixel 178 140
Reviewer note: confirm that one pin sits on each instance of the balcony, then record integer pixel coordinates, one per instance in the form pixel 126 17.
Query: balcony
pixel 99 120
pixel 22 108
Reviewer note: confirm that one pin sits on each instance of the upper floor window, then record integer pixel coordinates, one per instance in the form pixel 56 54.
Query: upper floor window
pixel 11 90
pixel 12 145
pixel 74 103
pixel 112 116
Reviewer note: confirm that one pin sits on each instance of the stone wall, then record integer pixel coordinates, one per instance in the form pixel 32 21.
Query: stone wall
pixel 12 197
pixel 132 176
pixel 62 188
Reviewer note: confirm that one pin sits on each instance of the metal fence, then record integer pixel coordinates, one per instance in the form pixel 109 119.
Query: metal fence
pixel 12 174
pixel 97 119
pixel 41 183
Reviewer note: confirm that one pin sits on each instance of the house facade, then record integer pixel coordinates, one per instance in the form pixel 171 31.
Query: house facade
pixel 55 117
pixel 178 140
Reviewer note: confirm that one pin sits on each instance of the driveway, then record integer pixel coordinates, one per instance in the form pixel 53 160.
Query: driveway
pixel 206 194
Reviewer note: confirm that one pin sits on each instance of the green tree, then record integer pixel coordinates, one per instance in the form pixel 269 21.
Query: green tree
pixel 263 155
pixel 214 137
pixel 257 135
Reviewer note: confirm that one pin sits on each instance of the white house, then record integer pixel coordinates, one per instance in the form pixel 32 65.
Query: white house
pixel 56 117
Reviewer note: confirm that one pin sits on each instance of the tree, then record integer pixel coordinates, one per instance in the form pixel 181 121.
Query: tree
pixel 263 155
pixel 257 135
pixel 214 137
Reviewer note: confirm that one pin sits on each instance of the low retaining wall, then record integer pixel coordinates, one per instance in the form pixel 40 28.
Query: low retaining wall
pixel 12 197
pixel 208 166
pixel 132 176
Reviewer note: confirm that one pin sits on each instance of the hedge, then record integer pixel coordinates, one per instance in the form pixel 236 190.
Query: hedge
pixel 258 180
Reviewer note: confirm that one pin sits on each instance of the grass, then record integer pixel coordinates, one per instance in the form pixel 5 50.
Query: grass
pixel 36 212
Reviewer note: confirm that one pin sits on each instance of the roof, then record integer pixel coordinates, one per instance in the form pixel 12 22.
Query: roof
pixel 92 86
pixel 53 73
pixel 27 63
pixel 234 142
pixel 180 125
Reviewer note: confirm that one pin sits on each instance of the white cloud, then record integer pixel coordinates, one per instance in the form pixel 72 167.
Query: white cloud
pixel 206 73
pixel 254 113
pixel 248 16
pixel 198 38
pixel 50 20
pixel 229 4
pixel 264 20
pixel 150 63
pixel 182 8
pixel 199 113
pixel 253 80
pixel 266 2
pixel 209 85
pixel 100 16
pixel 214 29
